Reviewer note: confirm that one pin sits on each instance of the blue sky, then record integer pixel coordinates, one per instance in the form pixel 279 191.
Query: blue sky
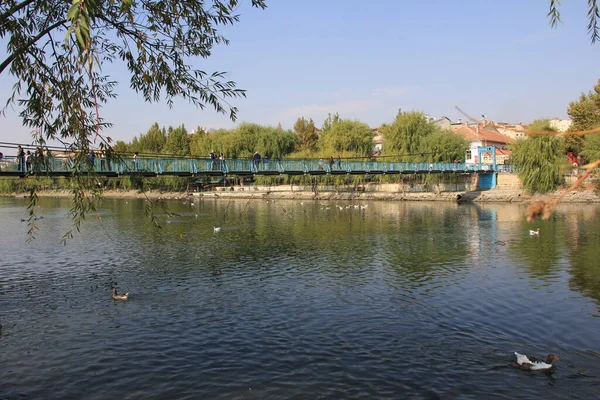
pixel 366 59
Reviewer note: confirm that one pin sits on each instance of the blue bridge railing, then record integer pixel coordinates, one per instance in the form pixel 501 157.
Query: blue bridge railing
pixel 187 166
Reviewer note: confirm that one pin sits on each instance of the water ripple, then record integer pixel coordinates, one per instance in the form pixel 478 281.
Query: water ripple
pixel 394 301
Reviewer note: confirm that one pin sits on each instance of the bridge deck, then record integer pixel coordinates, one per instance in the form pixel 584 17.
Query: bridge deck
pixel 185 167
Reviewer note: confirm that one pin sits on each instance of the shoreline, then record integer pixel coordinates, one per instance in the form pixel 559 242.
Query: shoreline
pixel 261 193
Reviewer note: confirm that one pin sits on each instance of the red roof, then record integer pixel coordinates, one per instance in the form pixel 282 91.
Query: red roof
pixel 485 134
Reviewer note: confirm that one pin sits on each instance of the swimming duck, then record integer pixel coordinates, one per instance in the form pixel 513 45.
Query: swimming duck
pixel 533 364
pixel 537 232
pixel 119 296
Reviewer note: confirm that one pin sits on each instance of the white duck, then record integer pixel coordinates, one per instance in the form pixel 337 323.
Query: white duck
pixel 216 229
pixel 533 364
pixel 533 233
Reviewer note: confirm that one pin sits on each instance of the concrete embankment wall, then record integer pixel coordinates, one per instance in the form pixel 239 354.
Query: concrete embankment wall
pixel 508 189
pixel 508 181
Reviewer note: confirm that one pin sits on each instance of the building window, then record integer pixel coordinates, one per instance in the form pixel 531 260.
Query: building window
pixel 468 155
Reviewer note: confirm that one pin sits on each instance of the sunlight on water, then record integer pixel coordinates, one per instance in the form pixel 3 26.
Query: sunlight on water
pixel 291 300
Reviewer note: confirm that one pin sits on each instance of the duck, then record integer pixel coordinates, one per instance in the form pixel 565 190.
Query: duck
pixel 216 228
pixel 533 364
pixel 119 296
pixel 536 232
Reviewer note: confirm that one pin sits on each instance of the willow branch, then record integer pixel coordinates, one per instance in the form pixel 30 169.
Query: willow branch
pixel 15 10
pixel 30 43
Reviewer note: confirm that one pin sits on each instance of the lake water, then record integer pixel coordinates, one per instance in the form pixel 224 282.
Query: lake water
pixel 299 300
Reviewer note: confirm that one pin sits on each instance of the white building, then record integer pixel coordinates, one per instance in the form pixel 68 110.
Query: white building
pixel 484 137
pixel 561 125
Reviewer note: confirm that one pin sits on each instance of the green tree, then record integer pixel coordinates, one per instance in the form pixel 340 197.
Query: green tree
pixel 570 143
pixel 585 112
pixel 154 140
pixel 405 134
pixel 121 147
pixel 442 146
pixel 201 143
pixel 267 140
pixel 591 147
pixel 347 136
pixel 307 134
pixel 330 121
pixel 539 159
pixel 541 125
pixel 177 142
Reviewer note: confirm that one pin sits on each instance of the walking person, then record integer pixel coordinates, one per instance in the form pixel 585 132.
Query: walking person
pixel 92 157
pixel 21 158
pixel 255 161
pixel 108 155
pixel 39 159
pixel 28 158
pixel 222 161
pixel 213 158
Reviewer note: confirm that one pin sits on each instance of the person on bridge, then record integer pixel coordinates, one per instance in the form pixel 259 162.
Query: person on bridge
pixel 213 158
pixel 108 155
pixel 21 158
pixel 255 161
pixel 28 160
pixel 222 161
pixel 92 156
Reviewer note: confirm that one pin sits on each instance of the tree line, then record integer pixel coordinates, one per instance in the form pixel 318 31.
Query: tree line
pixel 410 137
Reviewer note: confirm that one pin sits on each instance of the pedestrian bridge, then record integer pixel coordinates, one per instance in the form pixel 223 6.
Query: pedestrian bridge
pixel 159 166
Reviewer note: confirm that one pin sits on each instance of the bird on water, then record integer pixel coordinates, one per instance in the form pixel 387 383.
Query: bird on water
pixel 533 364
pixel 119 296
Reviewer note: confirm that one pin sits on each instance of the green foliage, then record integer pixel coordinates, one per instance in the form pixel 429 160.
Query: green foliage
pixel 591 147
pixel 414 138
pixel 346 135
pixel 585 112
pixel 405 134
pixel 440 146
pixel 539 159
pixel 573 143
pixel 121 147
pixel 178 142
pixel 307 134
pixel 541 125
pixel 330 121
pixel 153 141
pixel 244 140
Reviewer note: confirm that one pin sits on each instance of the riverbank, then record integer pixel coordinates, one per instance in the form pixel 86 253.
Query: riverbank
pixel 257 192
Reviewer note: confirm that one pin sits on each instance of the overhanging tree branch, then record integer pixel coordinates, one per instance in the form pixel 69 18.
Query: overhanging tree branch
pixel 27 45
